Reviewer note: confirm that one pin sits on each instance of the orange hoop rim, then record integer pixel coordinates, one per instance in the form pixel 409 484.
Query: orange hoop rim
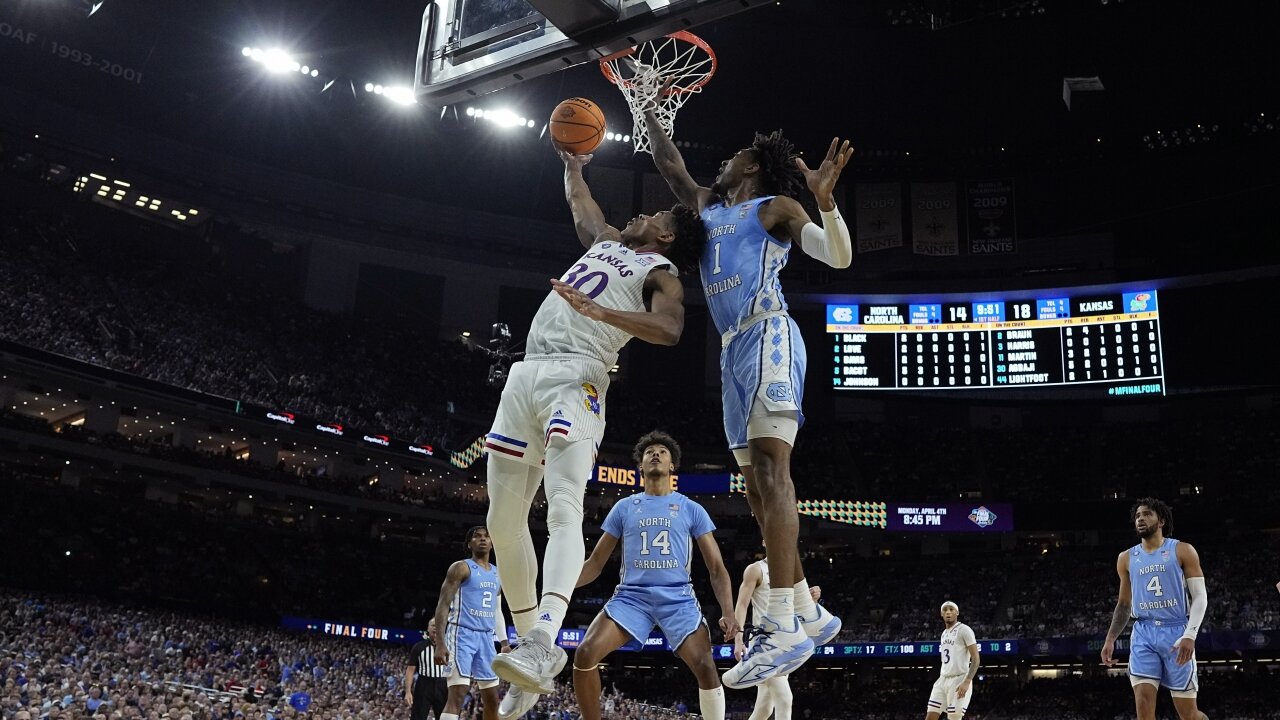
pixel 683 35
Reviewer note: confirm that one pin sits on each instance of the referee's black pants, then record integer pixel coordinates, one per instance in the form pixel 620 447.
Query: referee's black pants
pixel 428 692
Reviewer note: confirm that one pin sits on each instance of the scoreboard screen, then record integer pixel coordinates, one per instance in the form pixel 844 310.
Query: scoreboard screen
pixel 1098 344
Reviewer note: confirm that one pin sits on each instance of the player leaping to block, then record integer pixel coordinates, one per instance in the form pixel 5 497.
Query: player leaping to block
pixel 553 409
pixel 753 219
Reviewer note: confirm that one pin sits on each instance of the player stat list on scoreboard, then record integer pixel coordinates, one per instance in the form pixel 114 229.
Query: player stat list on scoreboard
pixel 1108 342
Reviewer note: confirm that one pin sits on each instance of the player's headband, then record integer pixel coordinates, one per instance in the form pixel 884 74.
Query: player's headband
pixel 949 604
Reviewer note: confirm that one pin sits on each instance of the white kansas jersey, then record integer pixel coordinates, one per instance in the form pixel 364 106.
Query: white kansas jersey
pixel 954 649
pixel 611 275
pixel 760 598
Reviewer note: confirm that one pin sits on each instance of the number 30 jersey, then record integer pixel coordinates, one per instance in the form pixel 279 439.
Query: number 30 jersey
pixel 614 277
pixel 657 533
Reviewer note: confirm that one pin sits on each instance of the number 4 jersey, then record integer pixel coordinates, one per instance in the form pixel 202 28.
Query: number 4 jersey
pixel 1159 589
pixel 614 277
pixel 657 533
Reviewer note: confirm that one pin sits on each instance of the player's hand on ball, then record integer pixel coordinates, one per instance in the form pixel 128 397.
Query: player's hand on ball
pixel 815 592
pixel 822 181
pixel 1107 649
pixel 573 162
pixel 1186 647
pixel 578 300
pixel 729 626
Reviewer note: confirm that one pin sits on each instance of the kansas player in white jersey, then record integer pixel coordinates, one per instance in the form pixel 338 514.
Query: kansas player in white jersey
pixel 773 696
pixel 469 616
pixel 1162 587
pixel 960 661
pixel 552 412
pixel 753 220
pixel 658 529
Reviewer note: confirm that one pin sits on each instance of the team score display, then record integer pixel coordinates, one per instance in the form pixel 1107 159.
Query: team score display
pixel 71 54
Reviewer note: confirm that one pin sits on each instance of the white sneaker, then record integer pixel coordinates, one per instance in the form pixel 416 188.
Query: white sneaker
pixel 774 651
pixel 516 703
pixel 532 667
pixel 823 627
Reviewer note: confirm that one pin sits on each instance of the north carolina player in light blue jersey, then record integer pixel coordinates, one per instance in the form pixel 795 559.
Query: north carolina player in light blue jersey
pixel 658 529
pixel 1162 587
pixel 469 616
pixel 753 220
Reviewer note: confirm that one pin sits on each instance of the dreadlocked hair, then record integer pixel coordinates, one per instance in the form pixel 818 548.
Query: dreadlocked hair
pixel 778 172
pixel 691 238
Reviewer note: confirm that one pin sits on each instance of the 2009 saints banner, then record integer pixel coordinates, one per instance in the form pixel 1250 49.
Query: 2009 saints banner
pixel 878 214
pixel 934 228
pixel 992 217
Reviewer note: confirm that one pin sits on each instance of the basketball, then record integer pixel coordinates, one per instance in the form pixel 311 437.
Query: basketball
pixel 577 126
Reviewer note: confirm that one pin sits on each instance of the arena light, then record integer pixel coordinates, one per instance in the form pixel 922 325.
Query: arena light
pixel 275 60
pixel 400 95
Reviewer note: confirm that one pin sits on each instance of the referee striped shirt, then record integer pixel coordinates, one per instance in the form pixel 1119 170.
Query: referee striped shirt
pixel 424 657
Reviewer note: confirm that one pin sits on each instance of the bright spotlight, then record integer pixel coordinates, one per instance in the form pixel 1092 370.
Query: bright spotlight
pixel 246 51
pixel 278 61
pixel 626 138
pixel 315 73
pixel 305 70
pixel 368 87
pixel 529 124
pixel 471 112
pixel 400 95
pixel 377 89
pixel 608 135
pixel 507 119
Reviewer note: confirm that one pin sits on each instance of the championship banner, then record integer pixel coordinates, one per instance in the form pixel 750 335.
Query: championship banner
pixel 992 217
pixel 934 229
pixel 878 216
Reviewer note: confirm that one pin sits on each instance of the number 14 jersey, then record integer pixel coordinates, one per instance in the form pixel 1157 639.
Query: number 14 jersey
pixel 657 533
pixel 614 277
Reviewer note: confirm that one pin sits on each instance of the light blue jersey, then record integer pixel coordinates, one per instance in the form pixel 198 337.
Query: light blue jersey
pixel 656 533
pixel 740 265
pixel 477 600
pixel 1159 589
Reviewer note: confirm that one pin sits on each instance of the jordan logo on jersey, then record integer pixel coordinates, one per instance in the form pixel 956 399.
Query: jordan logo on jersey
pixel 592 401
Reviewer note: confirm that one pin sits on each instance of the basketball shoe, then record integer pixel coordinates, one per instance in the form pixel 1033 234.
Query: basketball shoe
pixel 533 666
pixel 775 650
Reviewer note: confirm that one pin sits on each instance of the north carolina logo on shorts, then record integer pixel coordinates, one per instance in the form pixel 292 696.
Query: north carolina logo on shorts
pixel 779 392
pixel 592 401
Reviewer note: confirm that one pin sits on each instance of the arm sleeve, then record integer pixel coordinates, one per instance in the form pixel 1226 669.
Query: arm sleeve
pixel 499 624
pixel 1199 603
pixel 830 243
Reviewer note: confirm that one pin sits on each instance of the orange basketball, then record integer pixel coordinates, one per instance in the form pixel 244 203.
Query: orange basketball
pixel 577 126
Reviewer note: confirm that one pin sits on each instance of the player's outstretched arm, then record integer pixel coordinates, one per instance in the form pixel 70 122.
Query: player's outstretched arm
pixel 671 167
pixel 829 242
pixel 588 219
pixel 720 584
pixel 1119 616
pixel 599 556
pixel 750 581
pixel 1191 570
pixel 458 574
pixel 662 324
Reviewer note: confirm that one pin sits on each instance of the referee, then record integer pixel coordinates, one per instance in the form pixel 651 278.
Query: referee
pixel 429 691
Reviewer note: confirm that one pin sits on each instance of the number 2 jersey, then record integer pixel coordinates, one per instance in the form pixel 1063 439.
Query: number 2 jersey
pixel 657 533
pixel 614 277
pixel 475 605
pixel 1157 585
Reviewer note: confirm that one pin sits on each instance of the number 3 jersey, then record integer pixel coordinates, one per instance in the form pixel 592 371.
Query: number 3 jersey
pixel 614 277
pixel 1158 588
pixel 657 533
pixel 954 649
pixel 475 604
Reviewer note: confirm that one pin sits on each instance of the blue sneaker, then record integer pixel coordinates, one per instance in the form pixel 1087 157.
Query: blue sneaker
pixel 822 628
pixel 774 651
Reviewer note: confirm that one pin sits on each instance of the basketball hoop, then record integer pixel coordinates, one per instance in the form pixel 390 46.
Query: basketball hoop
pixel 682 58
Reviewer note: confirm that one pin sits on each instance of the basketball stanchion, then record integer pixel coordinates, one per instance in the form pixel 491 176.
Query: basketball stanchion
pixel 661 75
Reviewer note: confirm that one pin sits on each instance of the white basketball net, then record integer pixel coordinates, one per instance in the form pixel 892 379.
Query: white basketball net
pixel 682 57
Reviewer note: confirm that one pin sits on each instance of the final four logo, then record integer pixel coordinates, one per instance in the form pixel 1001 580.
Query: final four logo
pixel 982 517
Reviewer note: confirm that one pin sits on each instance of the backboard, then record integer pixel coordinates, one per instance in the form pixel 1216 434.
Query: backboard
pixel 468 48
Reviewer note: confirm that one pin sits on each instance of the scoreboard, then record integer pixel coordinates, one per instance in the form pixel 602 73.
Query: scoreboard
pixel 1105 344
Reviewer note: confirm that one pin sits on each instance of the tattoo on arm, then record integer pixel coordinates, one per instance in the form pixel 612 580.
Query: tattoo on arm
pixel 1119 619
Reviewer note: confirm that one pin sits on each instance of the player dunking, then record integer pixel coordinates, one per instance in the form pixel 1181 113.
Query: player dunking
pixel 470 611
pixel 773 696
pixel 1157 576
pixel 960 661
pixel 753 220
pixel 553 410
pixel 657 529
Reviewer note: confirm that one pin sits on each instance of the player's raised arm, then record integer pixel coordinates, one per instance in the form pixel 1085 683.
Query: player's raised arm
pixel 588 219
pixel 750 581
pixel 1194 574
pixel 671 167
pixel 720 583
pixel 829 242
pixel 599 556
pixel 458 574
pixel 662 324
pixel 1120 616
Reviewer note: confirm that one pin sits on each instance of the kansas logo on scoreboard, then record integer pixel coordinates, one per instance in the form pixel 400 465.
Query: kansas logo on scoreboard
pixel 982 517
pixel 1142 301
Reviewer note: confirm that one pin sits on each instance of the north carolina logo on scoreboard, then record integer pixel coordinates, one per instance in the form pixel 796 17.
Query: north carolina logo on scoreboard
pixel 982 517
pixel 842 314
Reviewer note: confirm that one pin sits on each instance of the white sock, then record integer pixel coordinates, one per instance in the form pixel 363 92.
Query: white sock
pixel 524 621
pixel 803 600
pixel 448 716
pixel 711 702
pixel 551 614
pixel 782 608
